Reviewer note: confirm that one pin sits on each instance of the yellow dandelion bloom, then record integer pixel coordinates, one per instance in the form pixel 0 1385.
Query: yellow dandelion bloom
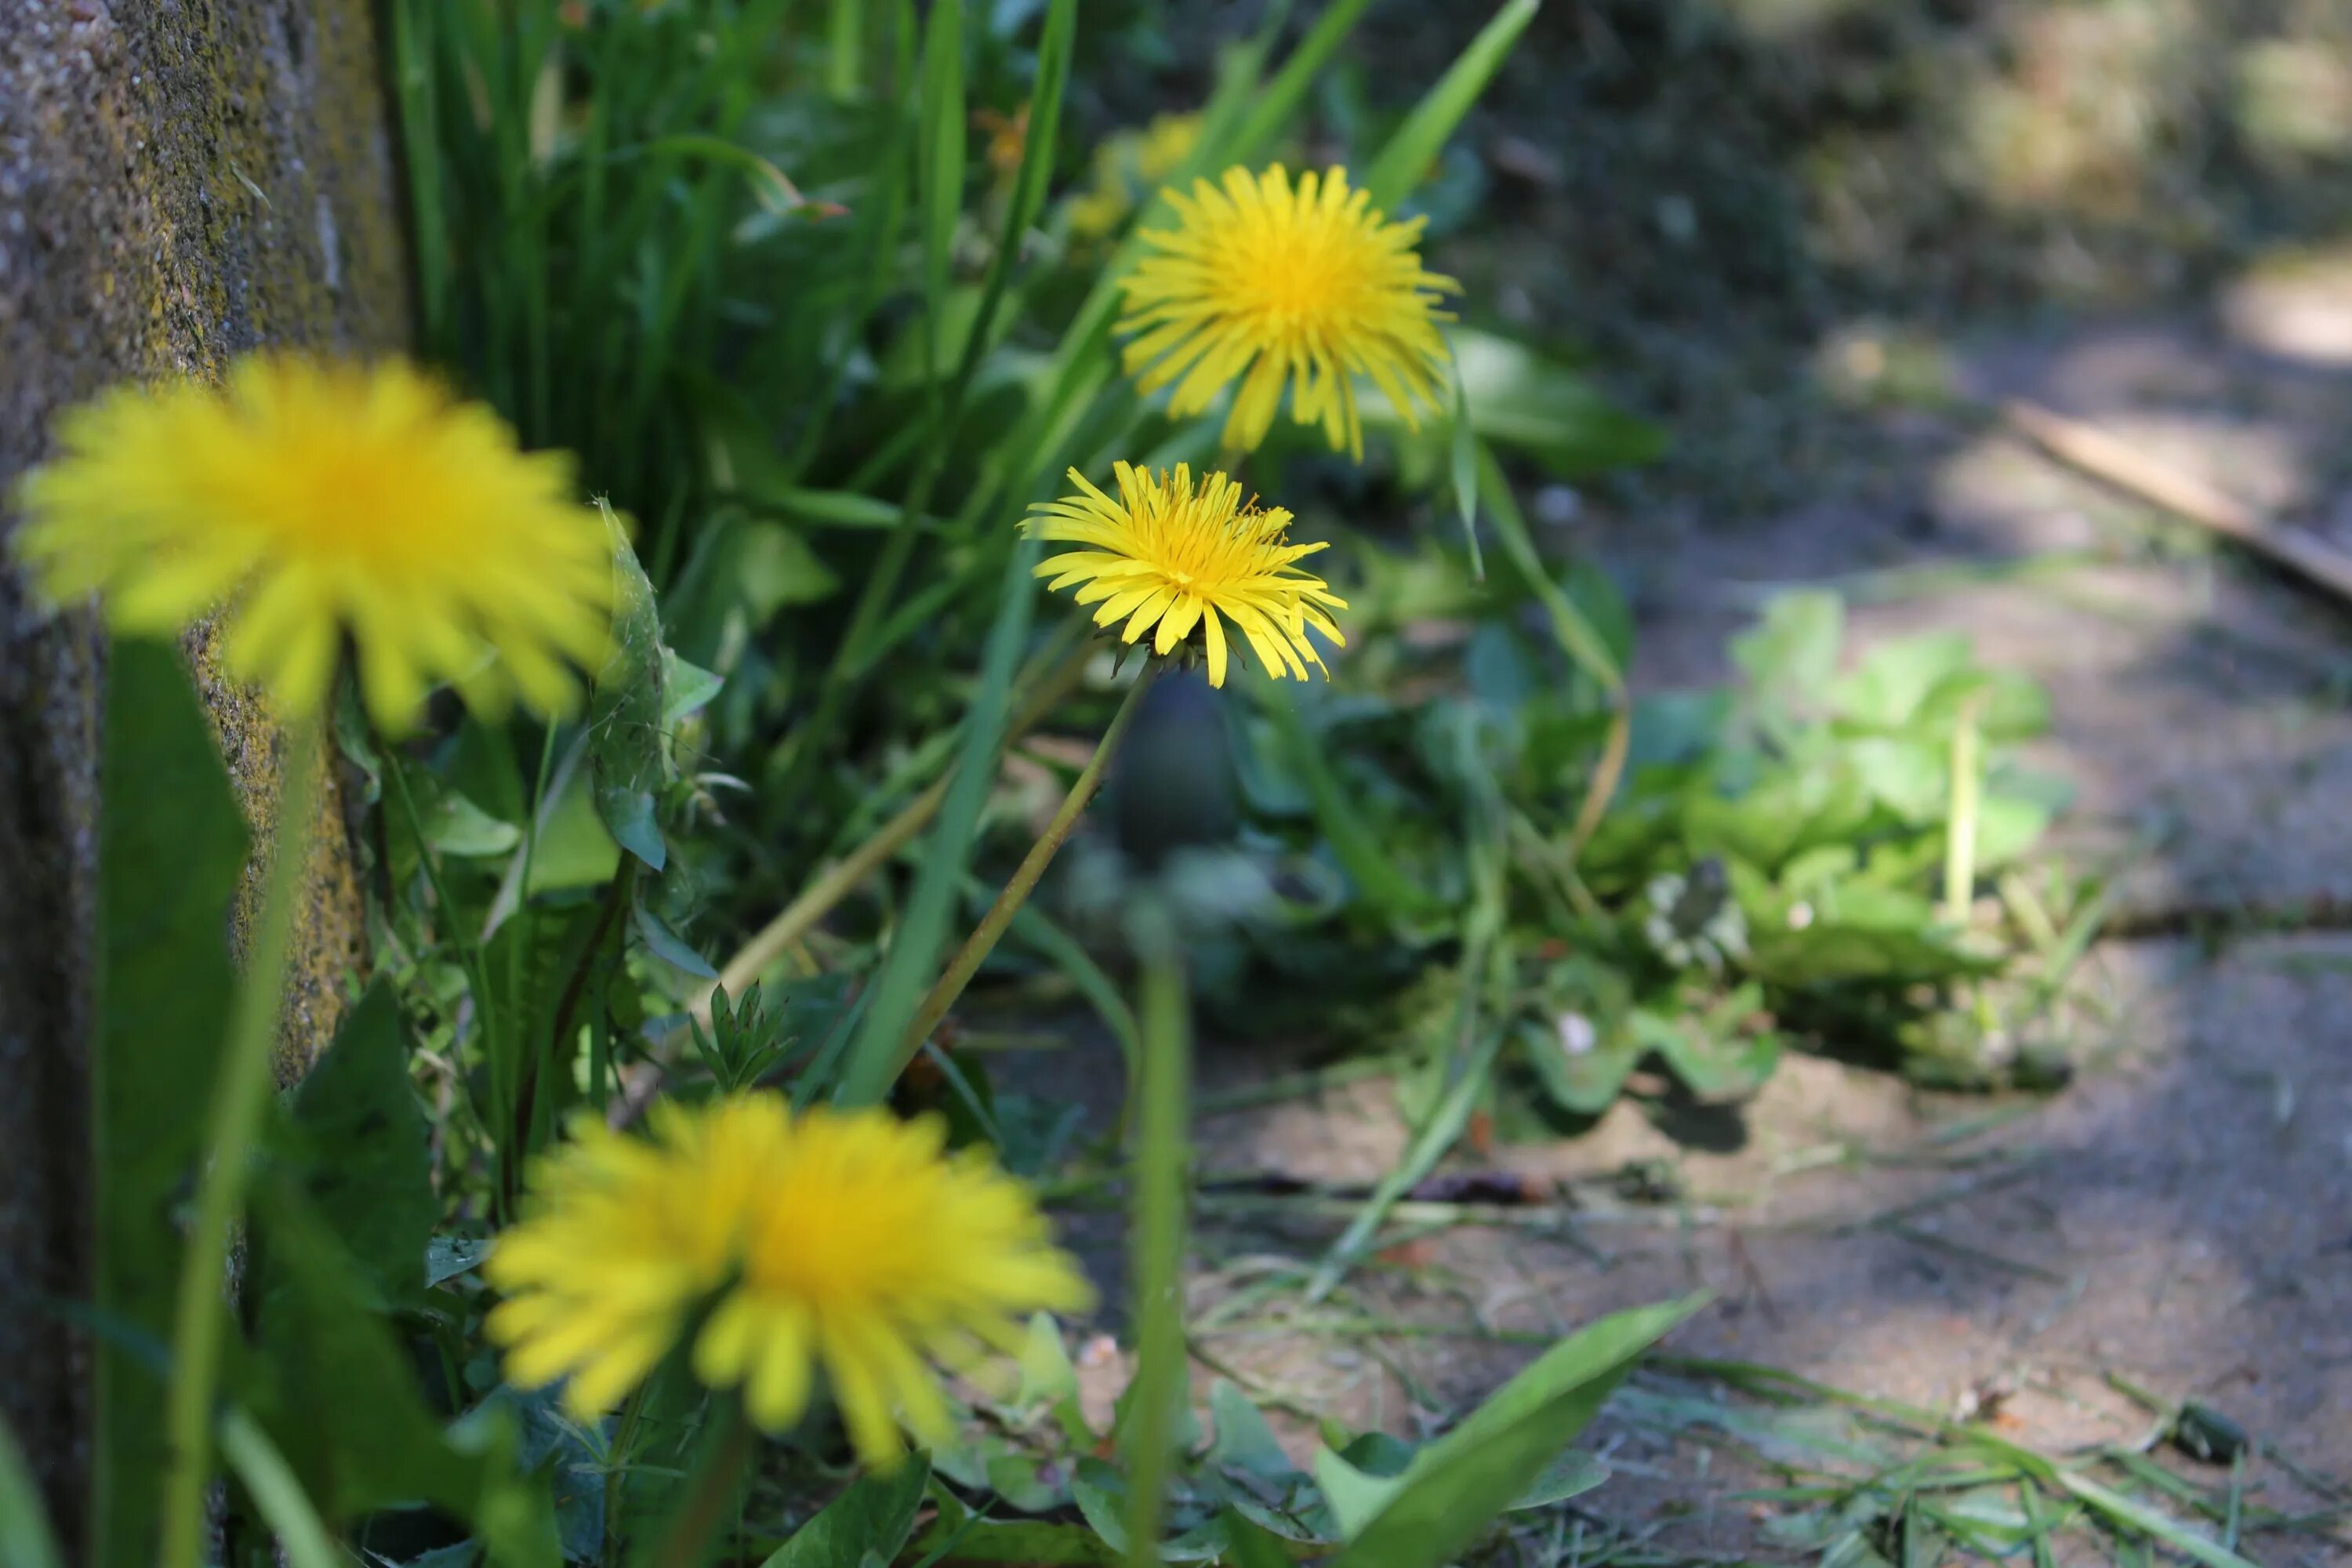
pixel 320 504
pixel 1270 286
pixel 849 1244
pixel 1182 558
pixel 1131 158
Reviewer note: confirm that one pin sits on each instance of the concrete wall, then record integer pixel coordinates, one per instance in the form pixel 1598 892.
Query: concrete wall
pixel 180 180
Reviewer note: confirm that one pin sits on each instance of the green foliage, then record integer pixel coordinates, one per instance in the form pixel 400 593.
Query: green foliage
pixel 820 345
pixel 1768 868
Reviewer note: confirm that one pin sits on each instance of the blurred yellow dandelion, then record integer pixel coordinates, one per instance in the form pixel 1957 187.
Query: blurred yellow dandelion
pixel 1185 559
pixel 319 503
pixel 1128 160
pixel 1264 285
pixel 850 1244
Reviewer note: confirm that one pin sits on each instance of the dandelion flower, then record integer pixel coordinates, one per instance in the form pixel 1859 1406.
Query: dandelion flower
pixel 1184 559
pixel 846 1243
pixel 1131 158
pixel 1262 285
pixel 318 504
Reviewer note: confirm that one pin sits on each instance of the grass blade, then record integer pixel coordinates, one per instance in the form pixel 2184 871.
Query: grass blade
pixel 1283 94
pixel 1352 840
pixel 845 49
pixel 1578 638
pixel 25 1538
pixel 2120 1509
pixel 939 174
pixel 1430 1144
pixel 898 987
pixel 1415 144
pixel 276 1493
pixel 1465 476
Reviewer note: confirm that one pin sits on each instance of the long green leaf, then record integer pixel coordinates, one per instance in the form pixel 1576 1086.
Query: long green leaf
pixel 1062 949
pixel 1578 638
pixel 276 1493
pixel 2121 1510
pixel 25 1538
pixel 1272 107
pixel 171 841
pixel 939 177
pixel 1352 839
pixel 898 987
pixel 1456 1485
pixel 1029 181
pixel 1430 1142
pixel 1464 466
pixel 1415 144
pixel 343 1407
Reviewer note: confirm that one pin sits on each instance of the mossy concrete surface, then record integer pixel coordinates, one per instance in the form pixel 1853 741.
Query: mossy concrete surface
pixel 180 181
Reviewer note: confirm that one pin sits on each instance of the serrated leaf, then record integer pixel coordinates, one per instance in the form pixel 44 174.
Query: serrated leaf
pixel 1887 688
pixel 1354 1496
pixel 668 946
pixel 1791 657
pixel 1716 1070
pixel 1582 1082
pixel 455 826
pixel 775 568
pixel 872 1517
pixel 626 753
pixel 1048 1378
pixel 362 1139
pixel 1013 1543
pixel 342 1404
pixel 690 688
pixel 1243 1441
pixel 448 1257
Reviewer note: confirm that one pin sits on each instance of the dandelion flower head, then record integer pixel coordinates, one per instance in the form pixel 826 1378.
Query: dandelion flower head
pixel 1183 558
pixel 846 1244
pixel 1263 285
pixel 1128 160
pixel 320 505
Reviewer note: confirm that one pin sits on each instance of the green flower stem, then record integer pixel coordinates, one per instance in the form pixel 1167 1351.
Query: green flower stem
pixel 686 1540
pixel 240 1097
pixel 1159 1236
pixel 1064 661
pixel 991 929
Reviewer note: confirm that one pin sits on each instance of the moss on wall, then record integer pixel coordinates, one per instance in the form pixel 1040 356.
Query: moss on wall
pixel 180 181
